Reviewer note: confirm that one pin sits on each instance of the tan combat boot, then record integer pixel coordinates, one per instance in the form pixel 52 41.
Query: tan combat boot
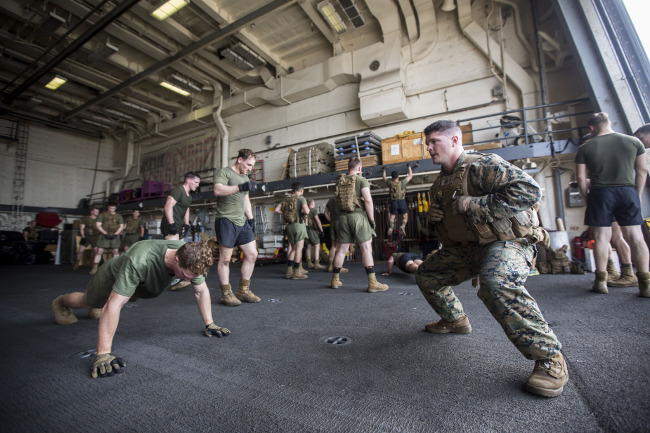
pixel 644 284
pixel 310 264
pixel 317 265
pixel 330 267
pixel 343 270
pixel 227 297
pixel 549 377
pixel 458 326
pixel 93 270
pixel 626 278
pixel 94 313
pixel 289 273
pixel 600 284
pixel 303 270
pixel 244 293
pixel 62 314
pixel 336 282
pixel 374 285
pixel 612 272
pixel 76 265
pixel 297 275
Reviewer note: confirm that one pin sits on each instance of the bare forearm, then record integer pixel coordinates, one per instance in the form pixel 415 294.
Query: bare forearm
pixel 202 295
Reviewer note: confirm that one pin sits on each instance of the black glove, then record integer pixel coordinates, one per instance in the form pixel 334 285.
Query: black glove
pixel 251 223
pixel 186 229
pixel 106 365
pixel 109 237
pixel 172 229
pixel 321 235
pixel 83 242
pixel 248 186
pixel 213 329
pixel 372 224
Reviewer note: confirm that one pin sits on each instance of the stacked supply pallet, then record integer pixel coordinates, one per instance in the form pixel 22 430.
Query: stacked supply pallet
pixel 311 160
pixel 366 146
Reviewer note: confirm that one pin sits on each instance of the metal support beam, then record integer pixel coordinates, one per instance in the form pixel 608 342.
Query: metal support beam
pixel 190 49
pixel 76 44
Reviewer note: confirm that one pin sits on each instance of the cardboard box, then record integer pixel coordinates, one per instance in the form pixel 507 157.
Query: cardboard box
pixel 409 148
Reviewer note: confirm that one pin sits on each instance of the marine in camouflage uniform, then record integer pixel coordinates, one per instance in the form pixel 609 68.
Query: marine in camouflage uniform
pixel 476 220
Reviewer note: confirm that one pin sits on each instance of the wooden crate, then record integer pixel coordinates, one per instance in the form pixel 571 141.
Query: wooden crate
pixel 366 161
pixel 468 135
pixel 484 146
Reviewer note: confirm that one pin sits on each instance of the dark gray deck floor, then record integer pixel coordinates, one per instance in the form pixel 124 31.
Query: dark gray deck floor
pixel 276 373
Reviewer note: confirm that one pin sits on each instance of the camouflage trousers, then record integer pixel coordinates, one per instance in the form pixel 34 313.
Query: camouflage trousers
pixel 502 268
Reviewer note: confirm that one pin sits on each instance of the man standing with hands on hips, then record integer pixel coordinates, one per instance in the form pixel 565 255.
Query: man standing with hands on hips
pixel 235 226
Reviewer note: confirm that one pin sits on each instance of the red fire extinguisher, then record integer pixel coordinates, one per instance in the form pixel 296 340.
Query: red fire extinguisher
pixel 578 252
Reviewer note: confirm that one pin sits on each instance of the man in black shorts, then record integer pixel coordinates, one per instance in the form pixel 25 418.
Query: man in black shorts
pixel 397 191
pixel 407 262
pixel 235 226
pixel 617 167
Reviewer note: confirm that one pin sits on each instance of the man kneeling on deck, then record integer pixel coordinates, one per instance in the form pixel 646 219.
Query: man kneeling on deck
pixel 146 270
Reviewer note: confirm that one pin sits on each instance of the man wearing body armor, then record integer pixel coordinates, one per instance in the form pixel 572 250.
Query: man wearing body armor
pixel 109 225
pixel 482 211
pixel 398 206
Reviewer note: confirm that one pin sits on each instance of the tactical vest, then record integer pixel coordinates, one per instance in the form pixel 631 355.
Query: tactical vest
pixel 461 229
pixel 90 229
pixel 132 226
pixel 396 190
pixel 289 208
pixel 345 193
pixel 111 223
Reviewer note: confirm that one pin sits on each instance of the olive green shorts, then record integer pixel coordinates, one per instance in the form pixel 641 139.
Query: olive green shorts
pixel 100 286
pixel 353 227
pixel 102 242
pixel 312 237
pixel 296 232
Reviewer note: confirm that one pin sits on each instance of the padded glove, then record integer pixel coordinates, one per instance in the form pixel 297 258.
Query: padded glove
pixel 251 223
pixel 435 213
pixel 372 224
pixel 83 242
pixel 321 235
pixel 109 237
pixel 106 365
pixel 186 229
pixel 461 205
pixel 213 329
pixel 172 229
pixel 248 186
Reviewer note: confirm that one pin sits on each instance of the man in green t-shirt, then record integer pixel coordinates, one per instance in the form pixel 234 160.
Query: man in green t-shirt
pixel 235 226
pixel 294 209
pixel 109 225
pixel 397 191
pixel 89 235
pixel 133 231
pixel 643 134
pixel 175 223
pixel 357 226
pixel 332 215
pixel 314 235
pixel 145 271
pixel 617 167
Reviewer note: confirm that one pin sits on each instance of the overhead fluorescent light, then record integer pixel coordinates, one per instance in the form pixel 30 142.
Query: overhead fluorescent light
pixel 135 106
pixel 327 9
pixel 118 114
pixel 56 82
pixel 168 9
pixel 183 82
pixel 173 88
pixel 352 12
pixel 91 122
pixel 236 59
pixel 248 54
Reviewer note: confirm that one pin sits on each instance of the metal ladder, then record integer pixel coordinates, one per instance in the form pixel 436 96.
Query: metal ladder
pixel 261 220
pixel 18 195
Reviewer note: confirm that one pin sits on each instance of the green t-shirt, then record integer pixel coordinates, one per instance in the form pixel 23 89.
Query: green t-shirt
pixel 302 201
pixel 610 159
pixel 360 183
pixel 110 222
pixel 141 271
pixel 231 206
pixel 312 223
pixel 183 201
